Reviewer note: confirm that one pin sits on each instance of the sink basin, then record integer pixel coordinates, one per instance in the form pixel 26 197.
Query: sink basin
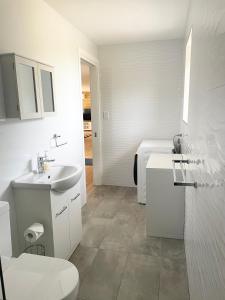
pixel 58 178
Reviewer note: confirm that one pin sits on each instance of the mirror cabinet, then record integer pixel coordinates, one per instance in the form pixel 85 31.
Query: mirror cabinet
pixel 26 88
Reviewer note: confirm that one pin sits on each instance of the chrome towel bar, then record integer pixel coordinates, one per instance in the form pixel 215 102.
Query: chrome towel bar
pixel 183 182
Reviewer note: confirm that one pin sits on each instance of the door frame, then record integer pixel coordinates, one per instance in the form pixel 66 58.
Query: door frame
pixel 95 113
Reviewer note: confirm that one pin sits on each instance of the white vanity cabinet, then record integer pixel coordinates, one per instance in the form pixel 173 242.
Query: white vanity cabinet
pixel 60 213
pixel 165 205
pixel 27 87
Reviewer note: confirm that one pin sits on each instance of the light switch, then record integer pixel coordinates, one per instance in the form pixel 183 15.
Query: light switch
pixel 105 115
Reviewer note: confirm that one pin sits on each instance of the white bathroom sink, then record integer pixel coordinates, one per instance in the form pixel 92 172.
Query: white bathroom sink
pixel 58 178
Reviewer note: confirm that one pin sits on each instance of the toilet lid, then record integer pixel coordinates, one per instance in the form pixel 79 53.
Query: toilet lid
pixel 39 277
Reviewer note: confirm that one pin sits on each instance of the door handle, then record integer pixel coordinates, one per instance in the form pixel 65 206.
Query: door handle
pixel 61 211
pixel 77 195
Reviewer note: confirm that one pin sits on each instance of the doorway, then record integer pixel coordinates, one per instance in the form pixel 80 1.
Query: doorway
pixel 87 122
pixel 90 86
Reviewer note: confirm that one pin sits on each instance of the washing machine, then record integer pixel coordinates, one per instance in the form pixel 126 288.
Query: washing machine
pixel 143 153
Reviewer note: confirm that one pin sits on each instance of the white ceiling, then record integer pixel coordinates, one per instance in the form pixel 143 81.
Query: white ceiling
pixel 125 21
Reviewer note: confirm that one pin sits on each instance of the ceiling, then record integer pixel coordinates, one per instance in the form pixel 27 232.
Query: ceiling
pixel 125 21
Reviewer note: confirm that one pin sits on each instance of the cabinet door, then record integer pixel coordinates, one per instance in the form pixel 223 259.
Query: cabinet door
pixel 61 235
pixel 28 88
pixel 75 220
pixel 46 89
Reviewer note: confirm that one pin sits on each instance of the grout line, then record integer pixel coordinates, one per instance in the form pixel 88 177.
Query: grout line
pixel 160 269
pixel 88 269
pixel 122 275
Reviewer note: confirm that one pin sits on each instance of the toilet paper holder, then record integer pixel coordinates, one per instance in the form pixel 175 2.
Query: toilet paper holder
pixel 37 249
pixel 32 235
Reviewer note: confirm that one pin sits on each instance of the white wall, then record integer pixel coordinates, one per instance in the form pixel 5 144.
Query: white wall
pixel 34 30
pixel 141 88
pixel 205 206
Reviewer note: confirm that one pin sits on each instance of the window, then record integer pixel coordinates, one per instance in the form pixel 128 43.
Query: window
pixel 187 77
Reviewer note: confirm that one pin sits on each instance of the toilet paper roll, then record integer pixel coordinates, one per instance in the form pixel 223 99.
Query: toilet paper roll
pixel 34 232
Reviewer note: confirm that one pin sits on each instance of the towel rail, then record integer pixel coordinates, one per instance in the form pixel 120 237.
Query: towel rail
pixel 183 182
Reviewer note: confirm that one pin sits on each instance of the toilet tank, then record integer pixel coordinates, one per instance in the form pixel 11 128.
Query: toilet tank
pixel 5 231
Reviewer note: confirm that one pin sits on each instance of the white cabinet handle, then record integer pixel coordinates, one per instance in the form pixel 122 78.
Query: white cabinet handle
pixel 77 195
pixel 61 211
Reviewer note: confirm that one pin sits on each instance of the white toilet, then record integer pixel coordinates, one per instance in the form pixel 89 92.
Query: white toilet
pixel 31 276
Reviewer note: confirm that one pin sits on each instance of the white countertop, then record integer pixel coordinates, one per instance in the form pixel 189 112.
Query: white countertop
pixel 162 161
pixel 156 145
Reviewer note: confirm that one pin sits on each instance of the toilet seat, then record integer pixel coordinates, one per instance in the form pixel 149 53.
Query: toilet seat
pixel 39 277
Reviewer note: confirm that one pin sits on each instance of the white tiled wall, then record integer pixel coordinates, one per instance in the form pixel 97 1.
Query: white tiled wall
pixel 34 30
pixel 205 206
pixel 141 88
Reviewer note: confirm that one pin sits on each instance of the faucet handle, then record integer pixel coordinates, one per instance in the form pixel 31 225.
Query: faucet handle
pixel 46 159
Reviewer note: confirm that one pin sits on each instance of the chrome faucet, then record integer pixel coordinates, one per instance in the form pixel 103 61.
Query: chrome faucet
pixel 41 160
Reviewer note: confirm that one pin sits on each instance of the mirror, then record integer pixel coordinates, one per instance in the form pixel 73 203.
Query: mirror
pixel 27 88
pixel 47 91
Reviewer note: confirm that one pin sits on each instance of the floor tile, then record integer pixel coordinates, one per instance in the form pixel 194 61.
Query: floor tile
pixel 147 246
pixel 143 244
pixel 141 278
pixel 94 232
pixel 173 248
pixel 83 258
pixel 130 195
pixel 103 280
pixel 173 280
pixel 91 205
pixel 108 192
pixel 120 233
pixel 117 239
pixel 106 209
pixel 116 258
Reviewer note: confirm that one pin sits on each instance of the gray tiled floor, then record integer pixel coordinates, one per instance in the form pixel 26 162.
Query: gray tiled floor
pixel 117 261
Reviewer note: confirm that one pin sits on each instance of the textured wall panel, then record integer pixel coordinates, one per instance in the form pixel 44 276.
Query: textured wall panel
pixel 205 206
pixel 141 87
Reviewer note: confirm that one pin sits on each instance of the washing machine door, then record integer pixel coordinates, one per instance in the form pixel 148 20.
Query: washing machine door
pixel 135 172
